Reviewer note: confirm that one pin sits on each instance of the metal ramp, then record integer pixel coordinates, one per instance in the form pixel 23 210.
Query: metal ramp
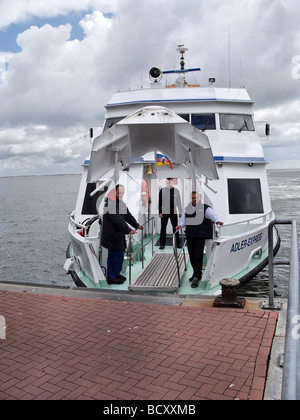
pixel 161 274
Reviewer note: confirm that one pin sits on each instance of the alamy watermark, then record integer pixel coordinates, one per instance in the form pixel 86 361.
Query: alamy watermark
pixel 296 329
pixel 2 328
pixel 132 196
pixel 296 67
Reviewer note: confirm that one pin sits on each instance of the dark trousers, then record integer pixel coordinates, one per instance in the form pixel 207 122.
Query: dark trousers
pixel 163 229
pixel 196 251
pixel 114 263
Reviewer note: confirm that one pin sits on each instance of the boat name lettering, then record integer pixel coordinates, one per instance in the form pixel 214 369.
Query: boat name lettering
pixel 238 246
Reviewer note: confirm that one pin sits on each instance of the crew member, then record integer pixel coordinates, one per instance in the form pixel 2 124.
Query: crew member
pixel 198 220
pixel 169 204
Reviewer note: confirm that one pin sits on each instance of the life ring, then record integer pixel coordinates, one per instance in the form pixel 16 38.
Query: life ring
pixel 145 192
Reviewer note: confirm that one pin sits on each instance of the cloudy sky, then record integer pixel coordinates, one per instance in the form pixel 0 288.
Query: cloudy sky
pixel 61 60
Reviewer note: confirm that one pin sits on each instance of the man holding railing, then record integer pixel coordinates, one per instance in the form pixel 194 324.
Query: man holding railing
pixel 116 218
pixel 198 220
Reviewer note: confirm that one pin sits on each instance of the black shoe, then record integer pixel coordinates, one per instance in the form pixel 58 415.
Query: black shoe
pixel 114 281
pixel 194 277
pixel 195 283
pixel 120 277
pixel 162 247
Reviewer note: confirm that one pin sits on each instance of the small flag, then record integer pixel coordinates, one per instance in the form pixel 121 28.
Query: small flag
pixel 163 160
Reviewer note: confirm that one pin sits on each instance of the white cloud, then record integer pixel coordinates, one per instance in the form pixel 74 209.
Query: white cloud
pixel 19 11
pixel 46 150
pixel 95 23
pixel 52 80
pixel 55 88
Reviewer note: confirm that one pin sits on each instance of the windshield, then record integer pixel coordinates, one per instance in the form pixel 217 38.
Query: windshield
pixel 204 121
pixel 237 122
pixel 110 122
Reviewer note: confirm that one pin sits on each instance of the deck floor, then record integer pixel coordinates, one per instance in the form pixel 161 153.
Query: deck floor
pixel 65 348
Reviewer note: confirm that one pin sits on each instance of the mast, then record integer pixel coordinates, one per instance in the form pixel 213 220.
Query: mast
pixel 182 72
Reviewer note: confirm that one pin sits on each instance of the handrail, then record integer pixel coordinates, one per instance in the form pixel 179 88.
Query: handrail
pixel 85 226
pixel 247 221
pixel 130 255
pixel 291 366
pixel 175 251
pixel 272 262
pixel 77 224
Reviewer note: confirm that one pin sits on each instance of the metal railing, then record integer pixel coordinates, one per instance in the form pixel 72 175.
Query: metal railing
pixel 291 367
pixel 83 228
pixel 131 255
pixel 244 226
pixel 272 262
pixel 182 251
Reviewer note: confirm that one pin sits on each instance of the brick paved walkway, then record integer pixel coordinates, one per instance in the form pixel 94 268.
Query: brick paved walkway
pixel 76 348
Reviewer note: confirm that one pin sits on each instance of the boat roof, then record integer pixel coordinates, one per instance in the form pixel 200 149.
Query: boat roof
pixel 158 94
pixel 150 129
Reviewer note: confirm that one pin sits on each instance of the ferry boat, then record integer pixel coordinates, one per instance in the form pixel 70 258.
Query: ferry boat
pixel 206 139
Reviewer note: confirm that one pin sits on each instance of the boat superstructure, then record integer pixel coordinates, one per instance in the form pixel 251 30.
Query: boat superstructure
pixel 206 139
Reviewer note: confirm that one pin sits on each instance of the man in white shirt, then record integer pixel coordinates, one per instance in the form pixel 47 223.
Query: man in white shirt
pixel 198 220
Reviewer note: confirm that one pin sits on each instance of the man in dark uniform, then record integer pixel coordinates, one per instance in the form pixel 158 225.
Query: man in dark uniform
pixel 168 203
pixel 198 220
pixel 115 218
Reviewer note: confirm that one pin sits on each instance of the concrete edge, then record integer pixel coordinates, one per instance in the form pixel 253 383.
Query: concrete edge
pixel 123 296
pixel 273 386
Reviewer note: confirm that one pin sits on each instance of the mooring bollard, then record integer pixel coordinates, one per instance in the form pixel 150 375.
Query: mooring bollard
pixel 229 298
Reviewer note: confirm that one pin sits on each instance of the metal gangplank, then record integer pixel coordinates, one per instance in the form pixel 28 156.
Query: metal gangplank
pixel 164 271
pixel 161 274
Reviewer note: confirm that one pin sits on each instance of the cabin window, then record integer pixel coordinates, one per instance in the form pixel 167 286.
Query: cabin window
pixel 89 203
pixel 204 121
pixel 110 122
pixel 245 196
pixel 237 122
pixel 186 117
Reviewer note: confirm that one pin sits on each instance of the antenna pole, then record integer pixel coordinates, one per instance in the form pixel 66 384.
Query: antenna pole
pixel 182 50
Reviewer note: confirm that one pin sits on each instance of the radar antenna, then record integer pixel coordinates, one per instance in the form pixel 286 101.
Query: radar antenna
pixel 182 50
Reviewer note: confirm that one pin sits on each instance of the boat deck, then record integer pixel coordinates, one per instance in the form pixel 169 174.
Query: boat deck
pixel 160 272
pixel 88 347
